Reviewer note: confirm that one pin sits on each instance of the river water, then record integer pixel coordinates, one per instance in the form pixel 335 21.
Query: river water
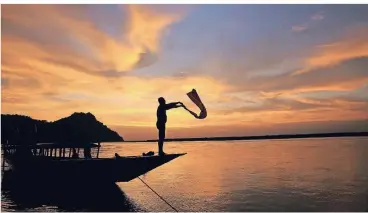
pixel 329 174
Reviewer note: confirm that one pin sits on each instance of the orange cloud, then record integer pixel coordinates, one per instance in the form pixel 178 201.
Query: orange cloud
pixel 60 67
pixel 36 82
pixel 111 54
pixel 146 26
pixel 353 45
pixel 68 64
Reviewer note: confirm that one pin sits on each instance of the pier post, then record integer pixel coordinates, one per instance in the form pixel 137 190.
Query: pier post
pixel 98 149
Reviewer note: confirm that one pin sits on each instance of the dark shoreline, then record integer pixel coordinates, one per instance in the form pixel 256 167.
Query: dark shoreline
pixel 264 137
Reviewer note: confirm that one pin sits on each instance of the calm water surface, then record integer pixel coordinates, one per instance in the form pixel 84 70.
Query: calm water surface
pixel 328 174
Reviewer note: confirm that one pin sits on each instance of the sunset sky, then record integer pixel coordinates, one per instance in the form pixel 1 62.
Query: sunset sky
pixel 259 69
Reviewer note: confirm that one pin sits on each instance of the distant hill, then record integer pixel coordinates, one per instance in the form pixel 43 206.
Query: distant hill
pixel 77 128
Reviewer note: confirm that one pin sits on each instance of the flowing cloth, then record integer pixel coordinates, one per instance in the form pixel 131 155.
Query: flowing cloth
pixel 193 95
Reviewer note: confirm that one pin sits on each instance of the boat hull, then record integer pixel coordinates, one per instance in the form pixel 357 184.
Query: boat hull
pixel 121 169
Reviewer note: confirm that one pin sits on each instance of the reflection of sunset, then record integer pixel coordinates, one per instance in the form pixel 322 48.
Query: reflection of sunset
pixel 277 158
pixel 110 61
pixel 251 174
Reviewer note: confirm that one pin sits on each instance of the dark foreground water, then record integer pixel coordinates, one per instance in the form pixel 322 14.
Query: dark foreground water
pixel 328 174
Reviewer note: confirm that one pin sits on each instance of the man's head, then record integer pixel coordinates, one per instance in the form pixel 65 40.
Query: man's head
pixel 161 100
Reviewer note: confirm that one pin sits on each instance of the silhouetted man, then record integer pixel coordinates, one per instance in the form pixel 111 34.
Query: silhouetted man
pixel 162 119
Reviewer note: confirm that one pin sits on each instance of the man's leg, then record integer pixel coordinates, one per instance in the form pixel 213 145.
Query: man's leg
pixel 160 143
pixel 161 138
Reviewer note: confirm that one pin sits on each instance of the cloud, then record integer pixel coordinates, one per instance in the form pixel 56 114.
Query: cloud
pixel 113 74
pixel 336 66
pixel 347 76
pixel 293 109
pixel 56 60
pixel 146 26
pixel 279 104
pixel 12 80
pixel 146 59
pixel 310 23
pixel 317 17
pixel 55 53
pixel 138 45
pixel 353 45
pixel 65 90
pixel 299 28
pixel 4 82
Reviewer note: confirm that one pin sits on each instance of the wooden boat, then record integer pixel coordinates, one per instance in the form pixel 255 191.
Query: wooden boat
pixel 62 162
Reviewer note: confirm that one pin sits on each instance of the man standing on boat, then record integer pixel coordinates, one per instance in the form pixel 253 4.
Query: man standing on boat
pixel 162 119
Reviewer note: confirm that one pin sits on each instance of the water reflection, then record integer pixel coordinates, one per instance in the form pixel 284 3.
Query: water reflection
pixel 22 194
pixel 280 175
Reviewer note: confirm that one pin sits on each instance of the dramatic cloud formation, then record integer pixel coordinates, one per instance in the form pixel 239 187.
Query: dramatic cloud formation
pixel 353 45
pixel 253 74
pixel 74 36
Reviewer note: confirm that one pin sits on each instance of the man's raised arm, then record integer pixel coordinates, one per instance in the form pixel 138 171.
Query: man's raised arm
pixel 173 105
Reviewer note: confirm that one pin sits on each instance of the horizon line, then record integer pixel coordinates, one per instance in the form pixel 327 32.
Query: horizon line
pixel 262 137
